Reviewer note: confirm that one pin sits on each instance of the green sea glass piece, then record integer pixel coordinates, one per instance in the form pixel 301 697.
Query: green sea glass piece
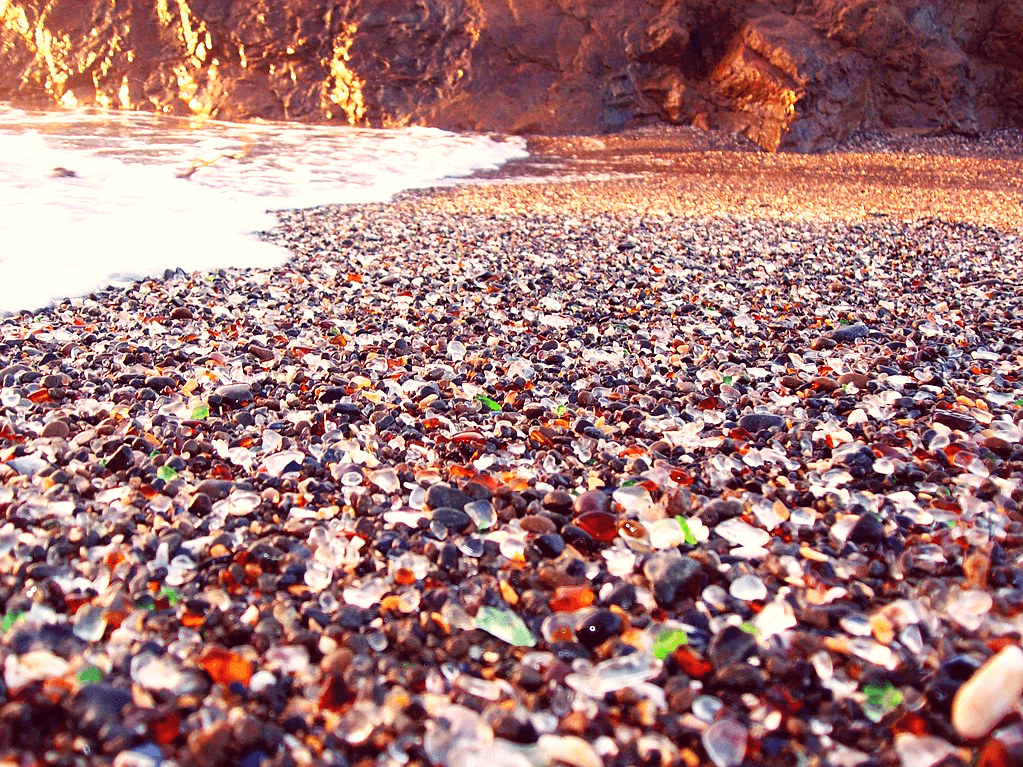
pixel 669 641
pixel 492 404
pixel 505 625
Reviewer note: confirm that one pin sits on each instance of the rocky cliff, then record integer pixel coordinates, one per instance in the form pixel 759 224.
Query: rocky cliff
pixel 788 73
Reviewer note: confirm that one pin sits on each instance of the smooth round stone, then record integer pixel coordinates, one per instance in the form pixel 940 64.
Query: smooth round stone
pixel 867 530
pixel 672 577
pixel 756 422
pixel 98 704
pixel 559 501
pixel 550 545
pixel 731 645
pixel 453 519
pixel 236 394
pixel 58 429
pixel 989 694
pixel 444 496
pixel 593 501
pixel 597 627
pixel 849 333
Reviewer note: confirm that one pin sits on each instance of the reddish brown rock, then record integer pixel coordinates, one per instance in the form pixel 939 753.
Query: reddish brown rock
pixel 787 73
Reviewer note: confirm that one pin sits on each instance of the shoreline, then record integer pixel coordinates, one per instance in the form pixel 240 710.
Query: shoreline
pixel 415 495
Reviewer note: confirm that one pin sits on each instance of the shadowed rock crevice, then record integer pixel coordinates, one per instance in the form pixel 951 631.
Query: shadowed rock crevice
pixel 797 74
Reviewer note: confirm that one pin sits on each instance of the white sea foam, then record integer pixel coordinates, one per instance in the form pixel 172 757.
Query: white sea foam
pixel 92 198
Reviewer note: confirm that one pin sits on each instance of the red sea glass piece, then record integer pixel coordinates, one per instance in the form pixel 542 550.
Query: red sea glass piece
pixel 225 666
pixel 601 525
pixel 569 598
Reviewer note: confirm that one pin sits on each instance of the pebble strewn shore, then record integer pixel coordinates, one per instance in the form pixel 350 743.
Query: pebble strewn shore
pixel 590 473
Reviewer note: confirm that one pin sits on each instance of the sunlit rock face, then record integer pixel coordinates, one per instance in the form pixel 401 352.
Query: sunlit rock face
pixel 787 73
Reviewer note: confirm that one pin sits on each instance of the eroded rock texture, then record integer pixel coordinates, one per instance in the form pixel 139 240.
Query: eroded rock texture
pixel 787 73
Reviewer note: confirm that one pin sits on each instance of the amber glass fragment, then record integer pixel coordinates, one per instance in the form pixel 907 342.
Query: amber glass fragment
pixel 225 666
pixel 601 525
pixel 568 598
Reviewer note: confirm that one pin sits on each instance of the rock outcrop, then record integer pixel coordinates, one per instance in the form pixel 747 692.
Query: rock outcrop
pixel 788 73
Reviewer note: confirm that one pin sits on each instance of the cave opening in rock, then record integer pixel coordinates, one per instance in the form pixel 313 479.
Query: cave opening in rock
pixel 709 40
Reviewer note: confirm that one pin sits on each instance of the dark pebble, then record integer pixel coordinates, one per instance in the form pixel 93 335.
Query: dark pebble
pixel 868 529
pixel 718 511
pixel 235 394
pixel 121 459
pixel 862 457
pixel 569 651
pixel 550 545
pixel 741 676
pixel 260 352
pixel 99 704
pixel 592 500
pixel 216 489
pixel 333 394
pixel 579 538
pixel 597 627
pixel 558 501
pixel 947 680
pixel 442 495
pixel 160 383
pixel 673 577
pixel 623 595
pixel 848 333
pixel 756 422
pixel 731 645
pixel 455 520
pixel 954 420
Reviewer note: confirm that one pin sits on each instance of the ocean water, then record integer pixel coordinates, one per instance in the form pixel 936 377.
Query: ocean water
pixel 91 198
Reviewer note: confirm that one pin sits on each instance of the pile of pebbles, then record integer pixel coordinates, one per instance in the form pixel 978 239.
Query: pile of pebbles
pixel 464 484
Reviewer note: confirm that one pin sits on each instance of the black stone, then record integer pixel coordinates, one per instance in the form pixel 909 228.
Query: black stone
pixel 443 495
pixel 160 383
pixel 550 545
pixel 673 577
pixel 235 394
pixel 741 677
pixel 216 489
pixel 954 420
pixel 756 422
pixel 97 705
pixel 597 627
pixel 623 595
pixel 333 394
pixel 731 645
pixel 868 530
pixel 579 538
pixel 848 333
pixel 453 519
pixel 862 457
pixel 719 510
pixel 121 459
